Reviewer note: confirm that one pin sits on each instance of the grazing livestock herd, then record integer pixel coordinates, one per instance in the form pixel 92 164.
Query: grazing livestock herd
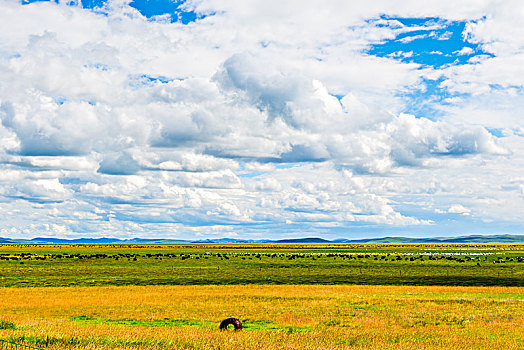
pixel 461 258
pixel 186 264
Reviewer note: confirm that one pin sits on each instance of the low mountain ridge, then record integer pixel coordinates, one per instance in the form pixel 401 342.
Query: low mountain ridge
pixel 107 240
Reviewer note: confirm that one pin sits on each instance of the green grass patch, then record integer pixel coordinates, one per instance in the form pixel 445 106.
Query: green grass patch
pixel 378 264
pixel 4 324
pixel 144 323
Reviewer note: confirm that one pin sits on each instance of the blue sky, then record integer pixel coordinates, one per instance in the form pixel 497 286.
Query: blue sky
pixel 251 119
pixel 433 43
pixel 148 8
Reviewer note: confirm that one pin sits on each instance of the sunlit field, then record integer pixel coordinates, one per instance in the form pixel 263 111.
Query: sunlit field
pixel 275 317
pixel 288 296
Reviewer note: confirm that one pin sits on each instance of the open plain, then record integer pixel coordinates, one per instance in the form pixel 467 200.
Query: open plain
pixel 336 296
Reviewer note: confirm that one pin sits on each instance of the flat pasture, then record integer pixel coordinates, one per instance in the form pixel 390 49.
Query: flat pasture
pixel 275 317
pixel 307 296
pixel 380 264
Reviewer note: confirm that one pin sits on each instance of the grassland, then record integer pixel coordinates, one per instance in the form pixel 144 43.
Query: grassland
pixel 278 317
pixel 381 264
pixel 332 296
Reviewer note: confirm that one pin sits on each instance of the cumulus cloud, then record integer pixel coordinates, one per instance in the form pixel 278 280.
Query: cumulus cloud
pixel 459 209
pixel 114 123
pixel 122 164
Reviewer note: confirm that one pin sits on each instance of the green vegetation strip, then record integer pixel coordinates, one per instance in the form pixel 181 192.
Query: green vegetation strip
pixel 379 264
pixel 247 324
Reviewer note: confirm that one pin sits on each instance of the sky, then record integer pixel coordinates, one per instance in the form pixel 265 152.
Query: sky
pixel 203 119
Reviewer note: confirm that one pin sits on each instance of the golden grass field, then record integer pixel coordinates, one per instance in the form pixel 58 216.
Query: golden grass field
pixel 278 317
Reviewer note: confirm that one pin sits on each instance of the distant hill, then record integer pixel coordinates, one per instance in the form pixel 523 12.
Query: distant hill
pixel 460 239
pixel 79 240
pixel 102 240
pixel 225 240
pixel 303 240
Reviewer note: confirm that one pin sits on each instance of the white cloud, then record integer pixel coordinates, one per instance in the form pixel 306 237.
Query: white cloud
pixel 215 179
pixel 458 209
pixel 409 39
pixel 262 113
pixel 464 51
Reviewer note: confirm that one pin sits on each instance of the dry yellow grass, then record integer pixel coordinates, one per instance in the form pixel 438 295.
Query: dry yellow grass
pixel 279 317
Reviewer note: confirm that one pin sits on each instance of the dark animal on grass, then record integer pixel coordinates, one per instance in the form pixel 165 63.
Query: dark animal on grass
pixel 233 321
